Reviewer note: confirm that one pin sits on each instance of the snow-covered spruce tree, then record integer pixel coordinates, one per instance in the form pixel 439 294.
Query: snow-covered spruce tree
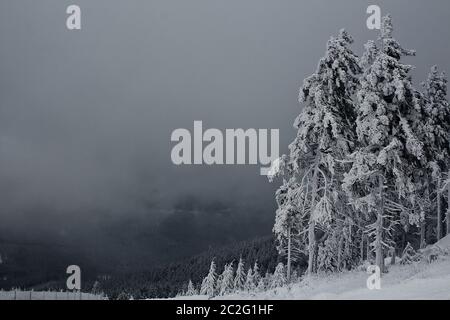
pixel 208 286
pixel 239 279
pixel 279 276
pixel 256 274
pixel 433 131
pixel 227 277
pixel 436 136
pixel 380 181
pixel 249 284
pixel 324 138
pixel 288 219
pixel 191 291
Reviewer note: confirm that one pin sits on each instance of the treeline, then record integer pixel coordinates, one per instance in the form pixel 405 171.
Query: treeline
pixel 169 279
pixel 238 280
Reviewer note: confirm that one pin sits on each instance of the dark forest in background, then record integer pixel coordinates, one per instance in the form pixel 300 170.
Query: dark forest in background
pixel 163 280
pixel 126 246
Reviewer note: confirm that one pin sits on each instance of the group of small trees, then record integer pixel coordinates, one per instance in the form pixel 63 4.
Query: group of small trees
pixel 368 165
pixel 235 281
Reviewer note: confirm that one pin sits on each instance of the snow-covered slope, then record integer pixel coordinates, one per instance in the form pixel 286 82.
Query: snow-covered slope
pixel 421 280
pixel 443 244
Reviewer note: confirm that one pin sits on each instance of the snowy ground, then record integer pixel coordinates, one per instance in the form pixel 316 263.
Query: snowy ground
pixel 421 280
pixel 47 295
pixel 402 282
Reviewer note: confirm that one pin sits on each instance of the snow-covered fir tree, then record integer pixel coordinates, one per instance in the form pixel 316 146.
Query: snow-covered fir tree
pixel 256 274
pixel 437 117
pixel 191 291
pixel 380 182
pixel 208 286
pixel 287 227
pixel 226 284
pixel 239 279
pixel 279 276
pixel 325 137
pixel 249 284
pixel 436 136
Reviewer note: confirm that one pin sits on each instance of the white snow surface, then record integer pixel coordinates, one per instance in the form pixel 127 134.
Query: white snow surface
pixel 444 243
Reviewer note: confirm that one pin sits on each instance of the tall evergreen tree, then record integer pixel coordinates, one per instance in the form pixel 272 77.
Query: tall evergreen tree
pixel 288 219
pixel 256 274
pixel 325 136
pixel 209 282
pixel 380 181
pixel 239 279
pixel 226 283
pixel 191 291
pixel 250 281
pixel 436 136
pixel 279 276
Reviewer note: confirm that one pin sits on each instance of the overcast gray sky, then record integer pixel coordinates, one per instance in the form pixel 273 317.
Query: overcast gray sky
pixel 86 116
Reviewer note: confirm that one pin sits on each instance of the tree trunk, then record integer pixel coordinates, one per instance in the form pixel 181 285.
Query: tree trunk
pixel 361 246
pixel 316 255
pixel 423 241
pixel 340 246
pixel 339 255
pixel 439 210
pixel 312 226
pixel 404 239
pixel 393 257
pixel 311 247
pixel 289 256
pixel 379 257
